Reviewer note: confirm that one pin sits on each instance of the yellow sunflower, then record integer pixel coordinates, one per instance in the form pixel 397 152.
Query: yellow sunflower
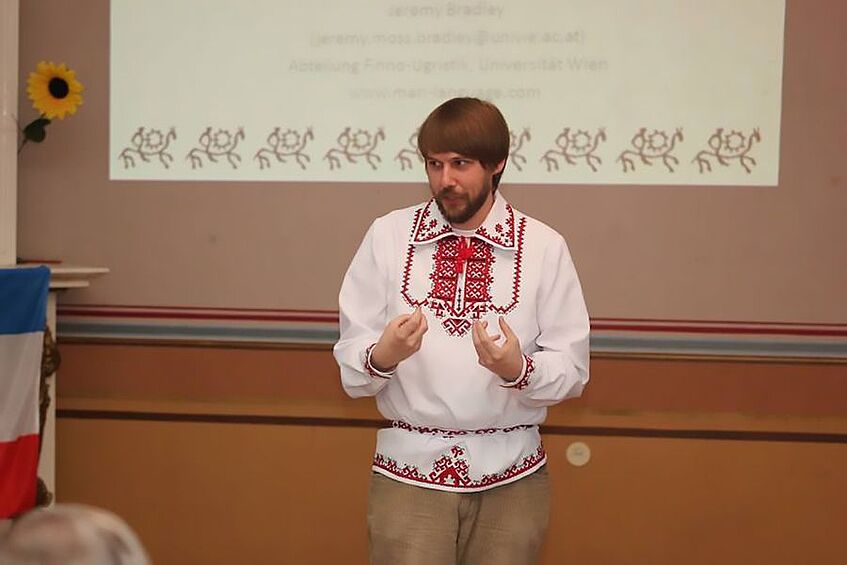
pixel 54 90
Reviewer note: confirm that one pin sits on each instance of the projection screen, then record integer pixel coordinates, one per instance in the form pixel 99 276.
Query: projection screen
pixel 674 92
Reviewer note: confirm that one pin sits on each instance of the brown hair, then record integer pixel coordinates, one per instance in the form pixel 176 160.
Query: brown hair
pixel 470 127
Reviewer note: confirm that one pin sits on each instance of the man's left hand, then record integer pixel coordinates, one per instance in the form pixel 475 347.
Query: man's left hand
pixel 506 361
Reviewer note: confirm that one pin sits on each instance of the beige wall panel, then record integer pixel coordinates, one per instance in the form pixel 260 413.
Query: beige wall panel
pixel 222 493
pixel 287 375
pixel 660 501
pixel 216 493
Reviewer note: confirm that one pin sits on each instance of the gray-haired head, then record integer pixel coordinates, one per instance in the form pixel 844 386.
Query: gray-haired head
pixel 71 534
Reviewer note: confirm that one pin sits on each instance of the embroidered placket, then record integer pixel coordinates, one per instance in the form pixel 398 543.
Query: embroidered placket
pixel 459 264
pixel 464 253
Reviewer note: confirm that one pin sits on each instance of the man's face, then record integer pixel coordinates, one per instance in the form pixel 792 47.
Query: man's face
pixel 462 188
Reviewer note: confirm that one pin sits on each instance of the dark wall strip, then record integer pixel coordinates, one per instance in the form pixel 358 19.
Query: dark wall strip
pixel 723 435
pixel 255 419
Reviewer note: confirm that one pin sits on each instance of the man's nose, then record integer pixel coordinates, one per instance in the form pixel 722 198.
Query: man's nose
pixel 446 175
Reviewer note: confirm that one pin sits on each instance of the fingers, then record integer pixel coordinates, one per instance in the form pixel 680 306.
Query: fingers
pixel 482 352
pixel 401 338
pixel 484 344
pixel 412 328
pixel 407 324
pixel 504 360
pixel 399 321
pixel 484 336
pixel 406 319
pixel 507 331
pixel 423 326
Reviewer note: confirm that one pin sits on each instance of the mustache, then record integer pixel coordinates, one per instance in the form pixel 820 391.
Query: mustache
pixel 448 191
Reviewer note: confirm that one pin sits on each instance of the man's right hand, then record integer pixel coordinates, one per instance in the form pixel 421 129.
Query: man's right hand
pixel 399 340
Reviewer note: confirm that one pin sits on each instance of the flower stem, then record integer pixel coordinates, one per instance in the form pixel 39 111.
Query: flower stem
pixel 21 133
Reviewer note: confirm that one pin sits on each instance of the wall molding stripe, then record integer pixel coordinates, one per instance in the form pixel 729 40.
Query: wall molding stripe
pixel 614 336
pixel 205 333
pixel 595 431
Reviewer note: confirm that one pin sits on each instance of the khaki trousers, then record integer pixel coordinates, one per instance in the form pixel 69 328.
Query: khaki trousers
pixel 410 525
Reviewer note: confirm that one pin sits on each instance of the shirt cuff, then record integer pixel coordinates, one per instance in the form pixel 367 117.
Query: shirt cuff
pixel 373 371
pixel 522 381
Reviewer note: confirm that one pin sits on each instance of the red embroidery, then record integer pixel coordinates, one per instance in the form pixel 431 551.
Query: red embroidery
pixel 456 326
pixel 462 272
pixel 503 236
pixel 426 227
pixel 457 309
pixel 516 279
pixel 465 252
pixel 447 433
pixel 451 469
pixel 407 273
pixel 523 382
pixel 370 368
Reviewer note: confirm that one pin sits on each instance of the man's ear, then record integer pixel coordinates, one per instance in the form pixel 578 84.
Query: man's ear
pixel 499 167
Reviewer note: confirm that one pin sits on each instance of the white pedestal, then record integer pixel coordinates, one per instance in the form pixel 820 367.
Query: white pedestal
pixel 62 277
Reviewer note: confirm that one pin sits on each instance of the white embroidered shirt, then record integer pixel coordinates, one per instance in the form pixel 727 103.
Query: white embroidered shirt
pixel 456 425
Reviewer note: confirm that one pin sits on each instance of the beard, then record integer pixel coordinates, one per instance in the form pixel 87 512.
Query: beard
pixel 462 213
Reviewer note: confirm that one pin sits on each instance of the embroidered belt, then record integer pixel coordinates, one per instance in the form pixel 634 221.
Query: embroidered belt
pixel 447 433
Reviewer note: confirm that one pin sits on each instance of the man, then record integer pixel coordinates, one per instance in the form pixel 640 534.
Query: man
pixel 465 319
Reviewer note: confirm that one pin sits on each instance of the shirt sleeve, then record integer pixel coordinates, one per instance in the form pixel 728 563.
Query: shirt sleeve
pixel 557 367
pixel 362 315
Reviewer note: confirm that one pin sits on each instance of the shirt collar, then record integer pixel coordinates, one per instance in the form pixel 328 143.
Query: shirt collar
pixel 498 228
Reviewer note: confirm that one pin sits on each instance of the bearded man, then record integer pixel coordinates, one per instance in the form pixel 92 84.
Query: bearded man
pixel 465 319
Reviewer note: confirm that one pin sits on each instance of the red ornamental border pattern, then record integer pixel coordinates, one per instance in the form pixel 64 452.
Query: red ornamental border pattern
pixel 451 470
pixel 424 231
pixel 447 433
pixel 505 239
pixel 368 367
pixel 418 228
pixel 523 382
pixel 407 272
pixel 516 277
pixel 444 278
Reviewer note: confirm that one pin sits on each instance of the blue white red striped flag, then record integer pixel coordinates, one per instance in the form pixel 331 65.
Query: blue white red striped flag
pixel 23 313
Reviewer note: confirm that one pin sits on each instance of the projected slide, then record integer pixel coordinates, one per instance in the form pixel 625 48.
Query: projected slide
pixel 675 92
